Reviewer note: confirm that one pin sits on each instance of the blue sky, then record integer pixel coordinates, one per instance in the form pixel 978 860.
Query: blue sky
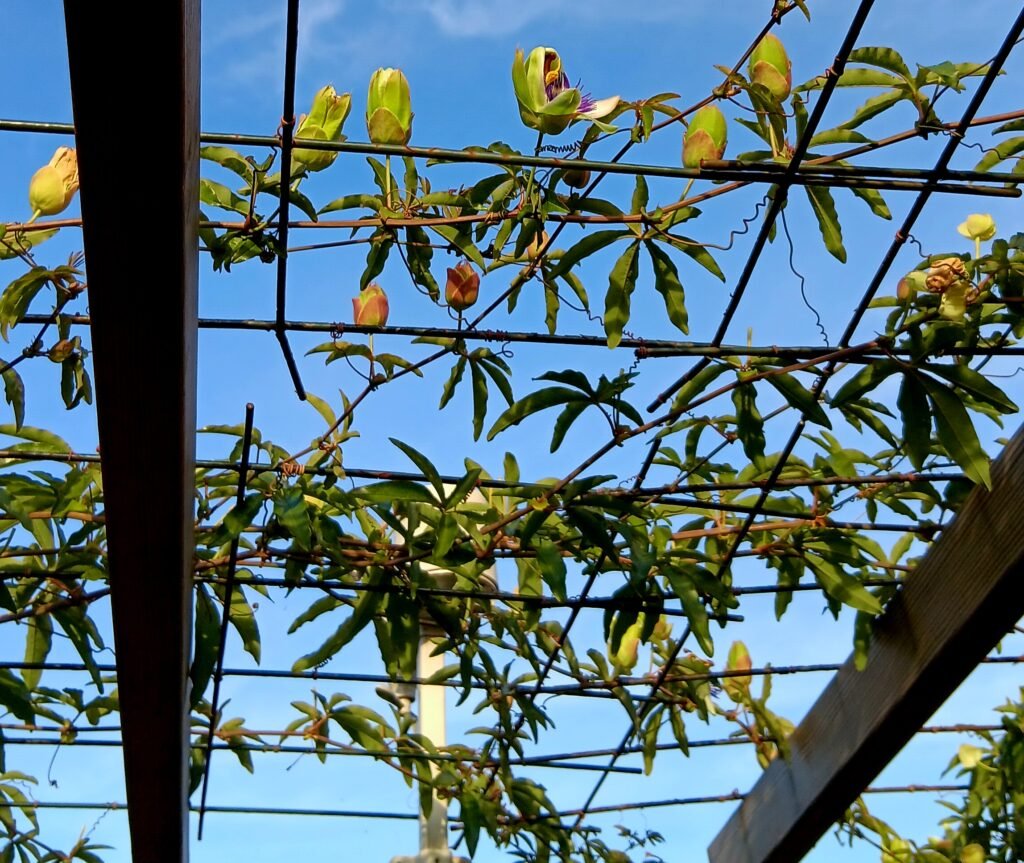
pixel 457 55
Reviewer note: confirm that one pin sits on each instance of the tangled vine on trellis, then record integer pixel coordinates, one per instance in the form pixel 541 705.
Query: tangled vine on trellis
pixel 363 545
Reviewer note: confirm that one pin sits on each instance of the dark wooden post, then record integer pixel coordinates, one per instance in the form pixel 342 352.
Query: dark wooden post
pixel 135 89
pixel 962 599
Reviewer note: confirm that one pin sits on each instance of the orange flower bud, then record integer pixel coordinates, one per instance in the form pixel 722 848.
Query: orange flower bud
pixel 463 286
pixel 370 308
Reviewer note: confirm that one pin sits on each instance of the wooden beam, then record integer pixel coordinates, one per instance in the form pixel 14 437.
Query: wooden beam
pixel 135 93
pixel 965 595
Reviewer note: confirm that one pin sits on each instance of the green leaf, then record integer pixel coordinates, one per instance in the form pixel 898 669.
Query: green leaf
pixel 884 58
pixel 864 381
pixel 824 207
pixel 621 282
pixel 666 282
pixel 469 814
pixel 873 198
pixel 14 392
pixel 207 637
pixel 388 490
pixel 684 587
pixel 917 421
pixel 243 619
pixel 447 530
pixel 749 423
pixel 366 606
pixel 218 195
pixel 352 202
pixel 956 433
pixel 976 384
pixel 37 647
pixel 531 404
pixel 239 518
pixel 291 510
pixel 458 370
pixel 426 467
pixel 873 107
pixel 228 158
pixel 844 587
pixel 584 249
pixel 565 420
pixel 14 695
pixel 839 135
pixel 799 397
pixel 18 296
pixel 640 195
pixel 552 569
pixel 479 399
pixel 462 242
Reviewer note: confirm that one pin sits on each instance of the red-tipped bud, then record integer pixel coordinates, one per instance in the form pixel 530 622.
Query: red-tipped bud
pixel 705 137
pixel 370 308
pixel 463 286
pixel 770 65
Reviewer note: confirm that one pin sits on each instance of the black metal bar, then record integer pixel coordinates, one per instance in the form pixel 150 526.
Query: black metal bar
pixel 287 130
pixel 780 195
pixel 645 348
pixel 229 587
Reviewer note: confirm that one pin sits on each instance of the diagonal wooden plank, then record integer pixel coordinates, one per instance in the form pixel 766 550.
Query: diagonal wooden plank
pixel 135 92
pixel 962 599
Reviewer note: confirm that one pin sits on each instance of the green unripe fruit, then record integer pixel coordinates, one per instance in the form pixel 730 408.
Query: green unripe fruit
pixel 769 65
pixel 706 137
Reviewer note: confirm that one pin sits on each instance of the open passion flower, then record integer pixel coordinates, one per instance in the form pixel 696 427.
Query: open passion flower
pixel 547 102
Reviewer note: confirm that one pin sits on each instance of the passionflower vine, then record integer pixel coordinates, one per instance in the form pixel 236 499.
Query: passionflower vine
pixel 547 101
pixel 977 227
pixel 370 307
pixel 463 286
pixel 54 185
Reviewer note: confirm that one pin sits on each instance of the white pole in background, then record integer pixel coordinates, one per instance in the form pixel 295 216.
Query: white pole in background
pixel 430 717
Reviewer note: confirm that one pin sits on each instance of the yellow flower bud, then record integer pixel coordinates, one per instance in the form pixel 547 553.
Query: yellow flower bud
pixel 389 108
pixel 462 287
pixel 370 308
pixel 978 226
pixel 54 185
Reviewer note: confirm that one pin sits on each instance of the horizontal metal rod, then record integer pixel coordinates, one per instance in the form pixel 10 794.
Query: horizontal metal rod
pixel 411 816
pixel 278 749
pixel 645 348
pixel 527 487
pixel 590 684
pixel 850 177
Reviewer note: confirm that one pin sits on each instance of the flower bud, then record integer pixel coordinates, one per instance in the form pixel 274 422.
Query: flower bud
pixel 54 185
pixel 370 307
pixel 769 65
pixel 575 178
pixel 969 755
pixel 738 687
pixel 463 286
pixel 62 350
pixel 705 137
pixel 389 108
pixel 539 241
pixel 945 273
pixel 911 282
pixel 625 657
pixel 979 226
pixel 324 122
pixel 972 853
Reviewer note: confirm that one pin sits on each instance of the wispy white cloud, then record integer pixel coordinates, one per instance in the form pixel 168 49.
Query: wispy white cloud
pixel 481 18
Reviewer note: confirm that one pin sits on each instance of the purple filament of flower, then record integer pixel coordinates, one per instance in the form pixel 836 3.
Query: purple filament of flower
pixel 557 86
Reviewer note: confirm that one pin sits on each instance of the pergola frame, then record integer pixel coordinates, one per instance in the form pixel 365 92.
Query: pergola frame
pixel 960 601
